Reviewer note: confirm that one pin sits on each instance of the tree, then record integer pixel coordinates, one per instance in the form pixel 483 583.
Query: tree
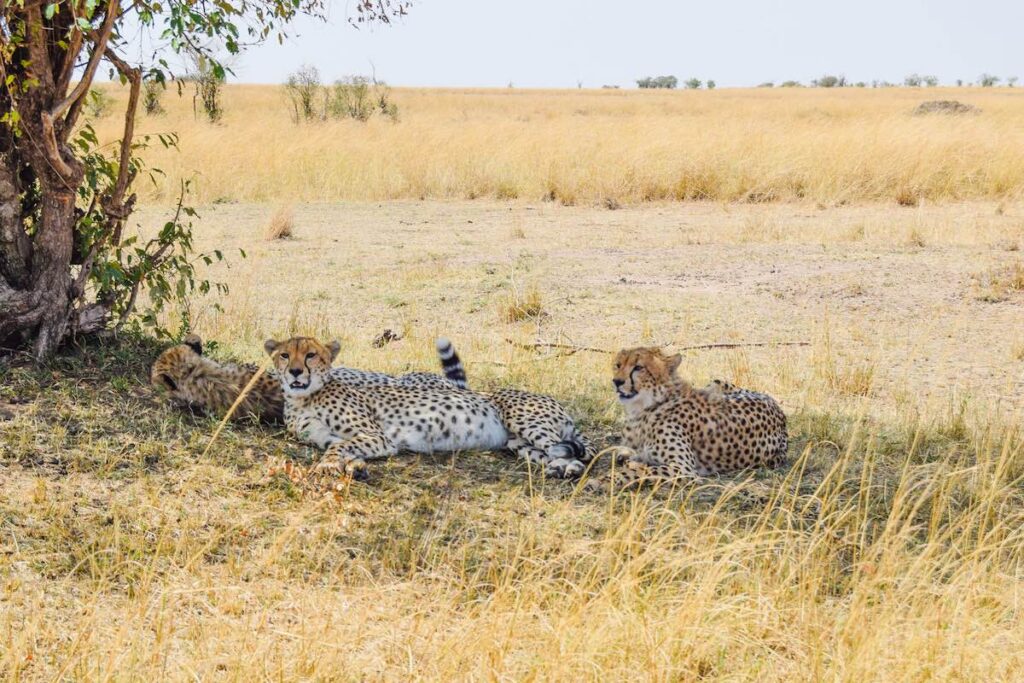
pixel 668 82
pixel 66 267
pixel 303 89
pixel 711 84
pixel 693 83
pixel 828 81
pixel 987 80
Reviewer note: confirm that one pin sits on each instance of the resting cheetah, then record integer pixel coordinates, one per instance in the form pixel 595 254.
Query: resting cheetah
pixel 534 426
pixel 204 385
pixel 678 432
pixel 355 424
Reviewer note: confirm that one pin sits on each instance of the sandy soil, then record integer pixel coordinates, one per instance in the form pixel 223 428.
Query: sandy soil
pixel 916 294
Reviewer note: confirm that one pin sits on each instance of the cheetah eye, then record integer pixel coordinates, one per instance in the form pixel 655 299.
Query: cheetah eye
pixel 284 356
pixel 310 355
pixel 638 367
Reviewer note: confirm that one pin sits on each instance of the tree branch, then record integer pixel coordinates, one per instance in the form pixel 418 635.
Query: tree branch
pixel 99 47
pixel 39 56
pixel 71 54
pixel 134 76
pixel 53 154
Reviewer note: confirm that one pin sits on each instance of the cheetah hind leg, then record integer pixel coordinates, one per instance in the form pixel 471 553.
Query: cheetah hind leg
pixel 554 460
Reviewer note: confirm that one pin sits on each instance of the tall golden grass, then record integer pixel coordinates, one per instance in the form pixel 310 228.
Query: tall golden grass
pixel 758 145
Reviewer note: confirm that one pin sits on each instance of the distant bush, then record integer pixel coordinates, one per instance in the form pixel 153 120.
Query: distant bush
pixel 829 81
pixel 306 95
pixel 693 83
pixel 711 84
pixel 916 81
pixel 208 76
pixel 791 84
pixel 152 91
pixel 359 98
pixel 987 80
pixel 1011 81
pixel 667 82
pixel 766 84
pixel 97 104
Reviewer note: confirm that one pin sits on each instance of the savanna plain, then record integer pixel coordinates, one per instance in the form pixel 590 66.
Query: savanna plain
pixel 867 262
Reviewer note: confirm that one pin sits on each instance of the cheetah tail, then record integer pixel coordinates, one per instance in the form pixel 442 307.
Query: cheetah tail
pixel 451 364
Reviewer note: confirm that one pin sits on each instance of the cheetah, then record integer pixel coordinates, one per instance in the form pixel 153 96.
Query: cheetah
pixel 542 432
pixel 205 386
pixel 354 424
pixel 535 427
pixel 675 431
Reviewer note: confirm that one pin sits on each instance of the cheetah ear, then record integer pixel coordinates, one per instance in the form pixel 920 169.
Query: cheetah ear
pixel 270 346
pixel 334 347
pixel 194 342
pixel 672 363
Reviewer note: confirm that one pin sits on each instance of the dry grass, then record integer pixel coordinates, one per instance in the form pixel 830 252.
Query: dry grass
pixel 888 549
pixel 521 305
pixel 1001 283
pixel 281 225
pixel 588 147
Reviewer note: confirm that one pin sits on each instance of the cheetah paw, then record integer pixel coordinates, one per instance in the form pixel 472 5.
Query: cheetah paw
pixel 564 468
pixel 353 467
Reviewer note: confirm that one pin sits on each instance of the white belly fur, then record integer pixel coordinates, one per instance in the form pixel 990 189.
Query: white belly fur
pixel 431 437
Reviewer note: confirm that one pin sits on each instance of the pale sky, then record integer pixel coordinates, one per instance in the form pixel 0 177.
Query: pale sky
pixel 555 43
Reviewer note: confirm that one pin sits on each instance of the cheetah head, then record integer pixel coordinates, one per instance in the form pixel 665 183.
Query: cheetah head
pixel 637 372
pixel 173 366
pixel 302 363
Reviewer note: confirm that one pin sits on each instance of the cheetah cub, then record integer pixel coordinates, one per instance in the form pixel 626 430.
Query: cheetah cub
pixel 678 432
pixel 203 385
pixel 355 424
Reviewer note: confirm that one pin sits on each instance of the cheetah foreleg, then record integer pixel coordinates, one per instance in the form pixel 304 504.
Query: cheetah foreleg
pixel 349 456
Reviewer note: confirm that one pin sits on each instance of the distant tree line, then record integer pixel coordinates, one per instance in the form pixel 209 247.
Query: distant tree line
pixel 670 83
pixel 828 81
pixel 912 81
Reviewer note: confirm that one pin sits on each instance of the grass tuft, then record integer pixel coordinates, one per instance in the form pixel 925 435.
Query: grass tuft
pixel 519 305
pixel 281 225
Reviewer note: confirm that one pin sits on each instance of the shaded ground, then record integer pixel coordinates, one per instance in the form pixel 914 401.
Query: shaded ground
pixel 128 549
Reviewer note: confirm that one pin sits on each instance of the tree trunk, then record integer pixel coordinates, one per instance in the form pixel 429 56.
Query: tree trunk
pixel 50 270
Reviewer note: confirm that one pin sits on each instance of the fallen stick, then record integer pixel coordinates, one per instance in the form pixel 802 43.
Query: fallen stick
pixel 736 345
pixel 570 349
